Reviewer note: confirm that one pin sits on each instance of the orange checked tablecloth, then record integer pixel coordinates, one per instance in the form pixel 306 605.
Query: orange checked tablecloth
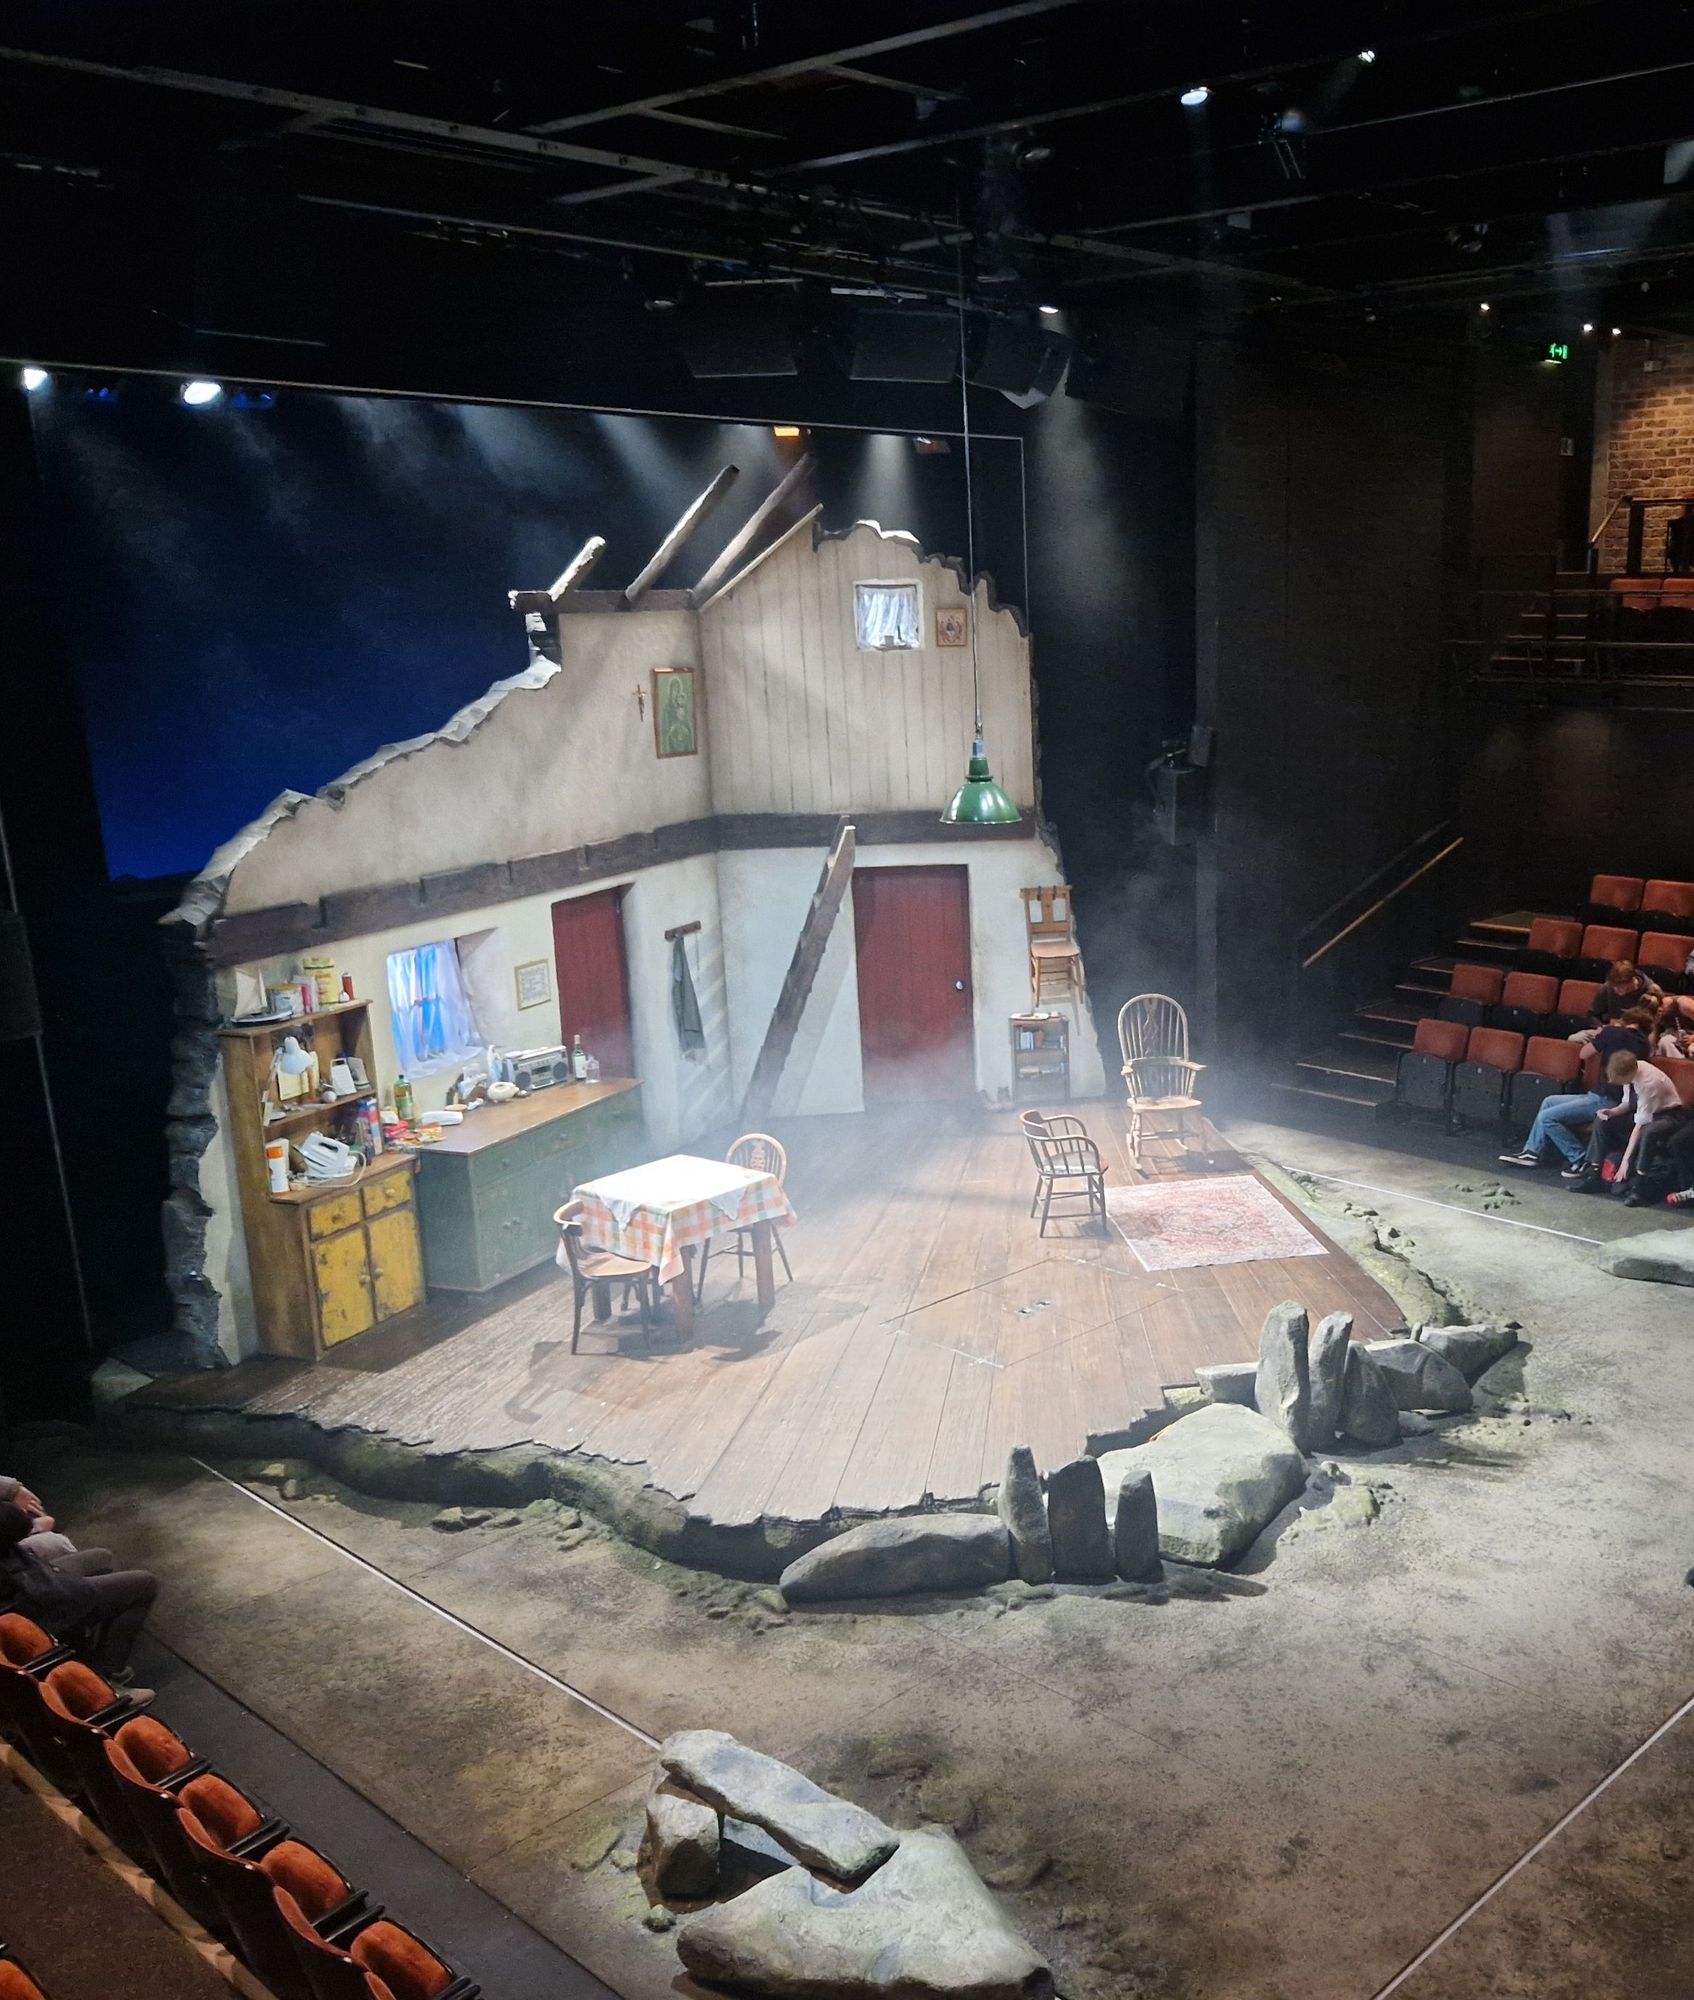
pixel 653 1213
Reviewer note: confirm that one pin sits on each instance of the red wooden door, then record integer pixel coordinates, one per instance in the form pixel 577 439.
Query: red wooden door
pixel 593 979
pixel 913 932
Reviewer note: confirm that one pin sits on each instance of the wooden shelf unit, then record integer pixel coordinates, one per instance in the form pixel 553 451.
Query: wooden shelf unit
pixel 1041 1061
pixel 328 1259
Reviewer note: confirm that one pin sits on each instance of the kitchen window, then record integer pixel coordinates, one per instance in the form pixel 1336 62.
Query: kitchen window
pixel 434 1026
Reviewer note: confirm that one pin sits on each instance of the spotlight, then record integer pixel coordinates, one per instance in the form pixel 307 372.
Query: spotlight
pixel 785 430
pixel 1367 55
pixel 1195 97
pixel 1485 307
pixel 198 393
pixel 1588 326
pixel 33 378
pixel 1616 330
pixel 1034 153
pixel 1048 310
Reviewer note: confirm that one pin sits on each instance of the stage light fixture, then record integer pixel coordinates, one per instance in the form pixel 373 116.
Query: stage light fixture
pixel 1588 326
pixel 199 393
pixel 1616 330
pixel 785 430
pixel 33 378
pixel 1367 55
pixel 1048 310
pixel 1195 97
pixel 1484 307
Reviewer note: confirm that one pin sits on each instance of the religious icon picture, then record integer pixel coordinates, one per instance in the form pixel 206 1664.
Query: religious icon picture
pixel 676 728
pixel 535 983
pixel 950 626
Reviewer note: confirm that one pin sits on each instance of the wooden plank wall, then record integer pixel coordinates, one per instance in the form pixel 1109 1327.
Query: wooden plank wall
pixel 800 720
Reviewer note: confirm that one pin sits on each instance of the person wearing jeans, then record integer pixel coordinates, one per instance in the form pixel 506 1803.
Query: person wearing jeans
pixel 103 1611
pixel 1562 1122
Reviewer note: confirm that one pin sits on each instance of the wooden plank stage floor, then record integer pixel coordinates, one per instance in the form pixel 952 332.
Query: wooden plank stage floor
pixel 928 1329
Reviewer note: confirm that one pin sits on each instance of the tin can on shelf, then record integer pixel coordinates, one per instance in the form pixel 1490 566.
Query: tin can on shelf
pixel 320 970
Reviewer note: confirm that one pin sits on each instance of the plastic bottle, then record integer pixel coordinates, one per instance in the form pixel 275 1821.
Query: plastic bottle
pixel 404 1108
pixel 579 1061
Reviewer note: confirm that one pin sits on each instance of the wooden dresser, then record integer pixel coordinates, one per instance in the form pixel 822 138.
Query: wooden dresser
pixel 487 1191
pixel 330 1260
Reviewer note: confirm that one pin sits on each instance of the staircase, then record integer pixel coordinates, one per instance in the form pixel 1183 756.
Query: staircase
pixel 1356 1066
pixel 1543 647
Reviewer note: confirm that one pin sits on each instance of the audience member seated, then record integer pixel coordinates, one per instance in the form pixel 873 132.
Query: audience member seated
pixel 1618 1128
pixel 1673 1030
pixel 1625 987
pixel 44 1539
pixel 104 1611
pixel 1563 1122
pixel 1664 1159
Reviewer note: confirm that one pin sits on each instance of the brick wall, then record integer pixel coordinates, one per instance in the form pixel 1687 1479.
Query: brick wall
pixel 1650 437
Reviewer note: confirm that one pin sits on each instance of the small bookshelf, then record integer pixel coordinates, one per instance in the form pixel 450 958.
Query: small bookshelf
pixel 1041 1059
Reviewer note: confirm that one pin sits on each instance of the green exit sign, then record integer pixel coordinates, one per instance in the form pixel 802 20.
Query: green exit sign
pixel 1558 350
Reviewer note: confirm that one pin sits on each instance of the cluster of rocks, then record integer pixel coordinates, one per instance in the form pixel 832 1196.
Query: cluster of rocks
pixel 1317 1383
pixel 854 1909
pixel 1074 1530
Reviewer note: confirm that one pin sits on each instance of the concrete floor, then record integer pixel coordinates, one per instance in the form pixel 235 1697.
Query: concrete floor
pixel 1283 1783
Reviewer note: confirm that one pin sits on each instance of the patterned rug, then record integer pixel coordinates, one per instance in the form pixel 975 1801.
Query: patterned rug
pixel 1220 1219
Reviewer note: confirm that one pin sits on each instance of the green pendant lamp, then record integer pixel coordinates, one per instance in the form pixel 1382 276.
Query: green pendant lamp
pixel 978 801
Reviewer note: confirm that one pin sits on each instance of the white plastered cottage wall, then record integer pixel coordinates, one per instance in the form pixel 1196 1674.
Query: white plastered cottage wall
pixel 793 719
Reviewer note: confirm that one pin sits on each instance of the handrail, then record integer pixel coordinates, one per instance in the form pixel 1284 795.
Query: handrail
pixel 1622 500
pixel 1381 902
pixel 1369 882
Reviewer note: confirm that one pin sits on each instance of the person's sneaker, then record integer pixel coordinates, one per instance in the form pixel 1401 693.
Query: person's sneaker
pixel 1520 1159
pixel 1683 1198
pixel 1577 1175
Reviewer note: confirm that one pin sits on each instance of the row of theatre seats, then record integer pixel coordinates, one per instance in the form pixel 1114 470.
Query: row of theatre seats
pixel 1650 904
pixel 1495 1075
pixel 289 1914
pixel 1563 947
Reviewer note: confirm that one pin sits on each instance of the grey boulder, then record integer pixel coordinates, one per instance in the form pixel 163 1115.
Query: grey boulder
pixel 1076 1518
pixel 1135 1526
pixel 1470 1349
pixel 682 1840
pixel 1283 1389
pixel 1369 1413
pixel 912 1552
pixel 1660 1257
pixel 922 1928
pixel 1219 1476
pixel 813 1825
pixel 1326 1355
pixel 1228 1381
pixel 1419 1377
pixel 1024 1512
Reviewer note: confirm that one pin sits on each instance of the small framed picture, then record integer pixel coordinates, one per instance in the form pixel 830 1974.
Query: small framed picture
pixel 676 731
pixel 535 983
pixel 951 628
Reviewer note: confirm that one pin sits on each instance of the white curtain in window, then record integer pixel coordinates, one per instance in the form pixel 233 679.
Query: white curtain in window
pixel 885 616
pixel 433 1022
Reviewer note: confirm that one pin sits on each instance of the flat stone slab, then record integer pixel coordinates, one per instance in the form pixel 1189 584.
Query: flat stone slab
pixel 813 1825
pixel 922 1928
pixel 912 1552
pixel 1228 1381
pixel 1658 1256
pixel 1471 1349
pixel 1419 1377
pixel 1218 1476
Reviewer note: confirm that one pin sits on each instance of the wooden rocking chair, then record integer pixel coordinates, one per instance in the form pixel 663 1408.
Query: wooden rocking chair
pixel 1161 1080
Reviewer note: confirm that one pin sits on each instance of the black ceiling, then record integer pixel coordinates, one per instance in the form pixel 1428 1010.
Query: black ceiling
pixel 1539 157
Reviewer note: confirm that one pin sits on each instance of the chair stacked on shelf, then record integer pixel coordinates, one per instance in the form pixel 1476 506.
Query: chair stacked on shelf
pixel 284 1910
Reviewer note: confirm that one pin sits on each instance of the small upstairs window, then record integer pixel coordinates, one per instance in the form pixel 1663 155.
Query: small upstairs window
pixel 887 617
pixel 433 1023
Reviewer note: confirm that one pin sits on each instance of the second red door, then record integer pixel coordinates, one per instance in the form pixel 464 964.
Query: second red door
pixel 913 936
pixel 593 979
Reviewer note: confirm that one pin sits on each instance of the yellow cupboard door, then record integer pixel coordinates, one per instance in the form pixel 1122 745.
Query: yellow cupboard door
pixel 344 1291
pixel 396 1261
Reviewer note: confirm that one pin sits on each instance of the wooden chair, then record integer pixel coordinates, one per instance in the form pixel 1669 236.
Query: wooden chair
pixel 759 1153
pixel 1067 1165
pixel 1157 1072
pixel 1055 957
pixel 598 1271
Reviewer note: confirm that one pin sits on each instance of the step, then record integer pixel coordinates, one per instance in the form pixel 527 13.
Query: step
pixel 1507 923
pixel 1391 1035
pixel 1355 1062
pixel 1419 995
pixel 1306 1090
pixel 1389 1010
pixel 1435 962
pixel 1486 951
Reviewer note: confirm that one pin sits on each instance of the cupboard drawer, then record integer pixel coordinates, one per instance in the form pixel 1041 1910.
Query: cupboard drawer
pixel 389 1192
pixel 341 1211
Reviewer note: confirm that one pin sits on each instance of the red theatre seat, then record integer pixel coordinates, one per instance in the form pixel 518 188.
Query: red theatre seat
pixel 1471 991
pixel 1575 1008
pixel 82 1712
pixel 16 1984
pixel 1551 1068
pixel 1664 954
pixel 1525 1002
pixel 1681 1073
pixel 1480 1081
pixel 1602 946
pixel 1424 1077
pixel 151 1765
pixel 1667 906
pixel 1552 941
pixel 1621 893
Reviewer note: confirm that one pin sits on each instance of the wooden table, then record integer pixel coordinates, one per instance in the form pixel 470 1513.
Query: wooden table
pixel 661 1213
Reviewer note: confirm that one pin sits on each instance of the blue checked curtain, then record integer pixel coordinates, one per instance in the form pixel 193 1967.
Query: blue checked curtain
pixel 885 616
pixel 433 1022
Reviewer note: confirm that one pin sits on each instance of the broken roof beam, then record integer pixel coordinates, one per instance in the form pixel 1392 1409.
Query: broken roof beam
pixel 573 573
pixel 665 554
pixel 748 533
pixel 809 949
pixel 764 556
